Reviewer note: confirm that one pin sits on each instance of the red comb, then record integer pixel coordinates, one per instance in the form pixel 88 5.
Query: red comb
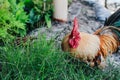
pixel 74 36
pixel 75 25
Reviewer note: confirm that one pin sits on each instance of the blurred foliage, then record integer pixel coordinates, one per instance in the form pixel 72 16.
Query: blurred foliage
pixel 39 11
pixel 69 2
pixel 20 16
pixel 12 20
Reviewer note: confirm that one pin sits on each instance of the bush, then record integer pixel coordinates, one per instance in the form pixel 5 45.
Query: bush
pixel 20 16
pixel 39 11
pixel 12 20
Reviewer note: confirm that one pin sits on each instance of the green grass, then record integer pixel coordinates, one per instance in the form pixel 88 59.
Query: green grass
pixel 41 60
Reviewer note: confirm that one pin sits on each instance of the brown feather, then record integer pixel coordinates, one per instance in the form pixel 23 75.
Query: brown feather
pixel 108 44
pixel 87 49
pixel 65 45
pixel 93 48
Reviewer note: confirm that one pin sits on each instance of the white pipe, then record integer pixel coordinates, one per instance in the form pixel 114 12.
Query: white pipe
pixel 60 10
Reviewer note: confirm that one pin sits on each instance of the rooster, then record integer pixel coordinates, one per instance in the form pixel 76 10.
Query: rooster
pixel 94 48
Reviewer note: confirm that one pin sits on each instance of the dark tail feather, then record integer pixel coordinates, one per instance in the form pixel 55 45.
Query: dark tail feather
pixel 114 19
pixel 113 23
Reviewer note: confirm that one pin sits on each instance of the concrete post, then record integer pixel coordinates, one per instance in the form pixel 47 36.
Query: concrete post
pixel 60 10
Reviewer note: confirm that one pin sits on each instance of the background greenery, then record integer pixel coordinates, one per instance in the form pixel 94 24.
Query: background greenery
pixel 17 17
pixel 12 19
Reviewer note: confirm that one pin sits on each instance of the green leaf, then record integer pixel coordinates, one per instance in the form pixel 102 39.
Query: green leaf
pixel 48 20
pixel 3 32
